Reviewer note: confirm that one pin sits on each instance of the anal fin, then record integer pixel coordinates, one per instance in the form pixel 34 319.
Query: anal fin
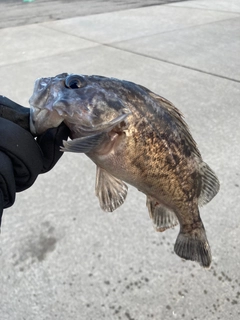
pixel 110 191
pixel 162 217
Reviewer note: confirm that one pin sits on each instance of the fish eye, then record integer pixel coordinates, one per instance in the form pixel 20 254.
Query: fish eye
pixel 75 82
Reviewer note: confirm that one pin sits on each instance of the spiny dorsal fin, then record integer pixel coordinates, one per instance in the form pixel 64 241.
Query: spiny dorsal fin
pixel 181 125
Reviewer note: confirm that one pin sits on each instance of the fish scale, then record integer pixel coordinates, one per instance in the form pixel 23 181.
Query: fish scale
pixel 135 136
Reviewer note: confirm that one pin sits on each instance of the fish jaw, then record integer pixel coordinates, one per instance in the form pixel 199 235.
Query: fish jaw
pixel 42 113
pixel 43 119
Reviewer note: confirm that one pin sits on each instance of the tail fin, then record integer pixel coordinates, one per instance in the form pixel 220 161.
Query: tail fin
pixel 194 246
pixel 210 184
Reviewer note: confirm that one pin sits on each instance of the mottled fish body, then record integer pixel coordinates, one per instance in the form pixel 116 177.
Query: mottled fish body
pixel 136 136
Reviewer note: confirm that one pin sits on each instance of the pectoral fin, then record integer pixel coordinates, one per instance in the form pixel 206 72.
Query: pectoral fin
pixel 110 191
pixel 163 218
pixel 82 145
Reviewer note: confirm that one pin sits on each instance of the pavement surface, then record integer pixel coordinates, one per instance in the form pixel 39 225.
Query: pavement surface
pixel 22 12
pixel 61 257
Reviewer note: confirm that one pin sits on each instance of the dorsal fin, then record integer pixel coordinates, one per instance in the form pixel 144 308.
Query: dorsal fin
pixel 210 184
pixel 178 120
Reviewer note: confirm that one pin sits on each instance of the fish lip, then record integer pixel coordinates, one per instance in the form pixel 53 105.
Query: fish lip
pixel 33 111
pixel 41 120
pixel 41 84
pixel 33 119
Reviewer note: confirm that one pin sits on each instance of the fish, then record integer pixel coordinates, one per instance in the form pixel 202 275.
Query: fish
pixel 135 137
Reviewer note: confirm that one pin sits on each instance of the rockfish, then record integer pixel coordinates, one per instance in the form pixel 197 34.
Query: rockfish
pixel 135 136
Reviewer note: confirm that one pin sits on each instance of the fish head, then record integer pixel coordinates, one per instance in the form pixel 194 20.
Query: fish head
pixel 83 103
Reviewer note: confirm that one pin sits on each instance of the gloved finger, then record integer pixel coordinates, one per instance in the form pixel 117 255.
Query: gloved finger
pixel 50 142
pixel 7 181
pixel 24 152
pixel 1 206
pixel 12 111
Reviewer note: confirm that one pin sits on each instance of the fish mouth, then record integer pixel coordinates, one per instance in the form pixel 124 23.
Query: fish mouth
pixel 41 120
pixel 42 113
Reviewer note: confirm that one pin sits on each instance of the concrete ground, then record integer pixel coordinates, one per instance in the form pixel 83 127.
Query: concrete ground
pixel 22 12
pixel 61 257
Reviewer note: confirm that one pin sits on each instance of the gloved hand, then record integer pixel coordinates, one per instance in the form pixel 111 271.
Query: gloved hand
pixel 22 158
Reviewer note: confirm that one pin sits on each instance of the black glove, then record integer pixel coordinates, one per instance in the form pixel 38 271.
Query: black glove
pixel 22 158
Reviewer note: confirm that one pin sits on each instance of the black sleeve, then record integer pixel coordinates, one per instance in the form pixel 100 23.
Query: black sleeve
pixel 22 157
